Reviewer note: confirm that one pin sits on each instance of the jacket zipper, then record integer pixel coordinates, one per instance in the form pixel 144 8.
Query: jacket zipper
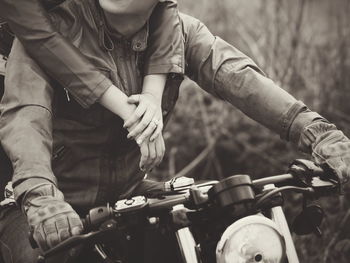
pixel 67 94
pixel 59 152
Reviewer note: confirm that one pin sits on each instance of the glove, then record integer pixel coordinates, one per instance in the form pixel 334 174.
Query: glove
pixel 50 218
pixel 328 146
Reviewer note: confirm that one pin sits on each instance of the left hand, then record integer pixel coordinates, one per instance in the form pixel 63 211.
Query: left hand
pixel 152 153
pixel 51 219
pixel 147 119
pixel 330 147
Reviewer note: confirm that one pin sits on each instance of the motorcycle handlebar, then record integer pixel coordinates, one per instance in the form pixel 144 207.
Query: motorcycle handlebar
pixel 273 179
pixel 302 173
pixel 69 243
pixel 305 173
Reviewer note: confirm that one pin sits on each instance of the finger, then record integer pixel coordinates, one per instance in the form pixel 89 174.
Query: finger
pixel 143 124
pixel 134 118
pixel 157 132
pixel 152 156
pixel 75 224
pixel 147 132
pixel 39 237
pixel 133 99
pixel 144 156
pixel 52 238
pixel 162 148
pixel 62 228
pixel 63 234
pixel 77 230
pixel 160 151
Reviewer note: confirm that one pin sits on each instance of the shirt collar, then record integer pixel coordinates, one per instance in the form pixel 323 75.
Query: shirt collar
pixel 138 41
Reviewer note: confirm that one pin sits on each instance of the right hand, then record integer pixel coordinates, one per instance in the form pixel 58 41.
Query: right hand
pixel 329 147
pixel 147 119
pixel 152 153
pixel 51 219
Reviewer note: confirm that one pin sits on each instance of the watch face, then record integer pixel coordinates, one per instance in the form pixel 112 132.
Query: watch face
pixel 128 7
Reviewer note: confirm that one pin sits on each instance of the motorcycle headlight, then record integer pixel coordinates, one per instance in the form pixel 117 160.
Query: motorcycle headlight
pixel 251 239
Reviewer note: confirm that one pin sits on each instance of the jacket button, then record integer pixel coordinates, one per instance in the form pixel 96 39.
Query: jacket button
pixel 165 112
pixel 138 45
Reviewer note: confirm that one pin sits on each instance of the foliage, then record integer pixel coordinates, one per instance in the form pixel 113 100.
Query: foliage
pixel 304 46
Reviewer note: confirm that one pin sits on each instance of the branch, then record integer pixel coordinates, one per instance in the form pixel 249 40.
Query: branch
pixel 295 41
pixel 250 43
pixel 201 157
pixel 336 237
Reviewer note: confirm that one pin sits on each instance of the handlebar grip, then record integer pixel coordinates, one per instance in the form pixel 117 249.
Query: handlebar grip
pixel 69 243
pixel 306 168
pixel 309 174
pixel 33 243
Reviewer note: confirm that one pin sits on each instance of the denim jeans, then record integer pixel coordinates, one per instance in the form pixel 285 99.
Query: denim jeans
pixel 15 246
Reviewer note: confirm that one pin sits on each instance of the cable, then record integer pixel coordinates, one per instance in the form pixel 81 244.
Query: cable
pixel 284 188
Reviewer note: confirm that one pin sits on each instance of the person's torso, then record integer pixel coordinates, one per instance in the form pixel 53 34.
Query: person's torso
pixel 92 158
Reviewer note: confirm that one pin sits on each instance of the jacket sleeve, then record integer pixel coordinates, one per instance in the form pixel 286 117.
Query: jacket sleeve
pixel 227 73
pixel 165 51
pixel 60 59
pixel 25 123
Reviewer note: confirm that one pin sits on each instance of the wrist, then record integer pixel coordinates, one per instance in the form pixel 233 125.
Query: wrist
pixel 116 101
pixel 44 190
pixel 300 122
pixel 157 97
pixel 312 132
pixel 154 85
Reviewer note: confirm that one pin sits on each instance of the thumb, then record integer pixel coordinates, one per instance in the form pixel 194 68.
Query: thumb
pixel 133 99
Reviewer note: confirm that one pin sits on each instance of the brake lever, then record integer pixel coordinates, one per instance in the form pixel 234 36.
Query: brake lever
pixel 304 171
pixel 308 174
pixel 74 241
pixel 324 188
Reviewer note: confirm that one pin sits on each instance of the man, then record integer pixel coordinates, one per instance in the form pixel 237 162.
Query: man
pixel 64 63
pixel 89 165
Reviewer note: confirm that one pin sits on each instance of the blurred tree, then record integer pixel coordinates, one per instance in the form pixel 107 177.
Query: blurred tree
pixel 303 45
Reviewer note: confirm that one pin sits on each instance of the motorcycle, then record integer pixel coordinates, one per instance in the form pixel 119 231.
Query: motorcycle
pixel 234 220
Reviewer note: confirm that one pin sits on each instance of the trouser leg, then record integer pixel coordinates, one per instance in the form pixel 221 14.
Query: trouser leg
pixel 14 242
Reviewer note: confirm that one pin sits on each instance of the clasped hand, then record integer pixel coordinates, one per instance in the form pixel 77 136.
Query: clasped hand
pixel 51 219
pixel 145 125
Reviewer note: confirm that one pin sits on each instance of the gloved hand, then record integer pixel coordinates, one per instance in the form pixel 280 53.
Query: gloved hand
pixel 51 219
pixel 328 146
